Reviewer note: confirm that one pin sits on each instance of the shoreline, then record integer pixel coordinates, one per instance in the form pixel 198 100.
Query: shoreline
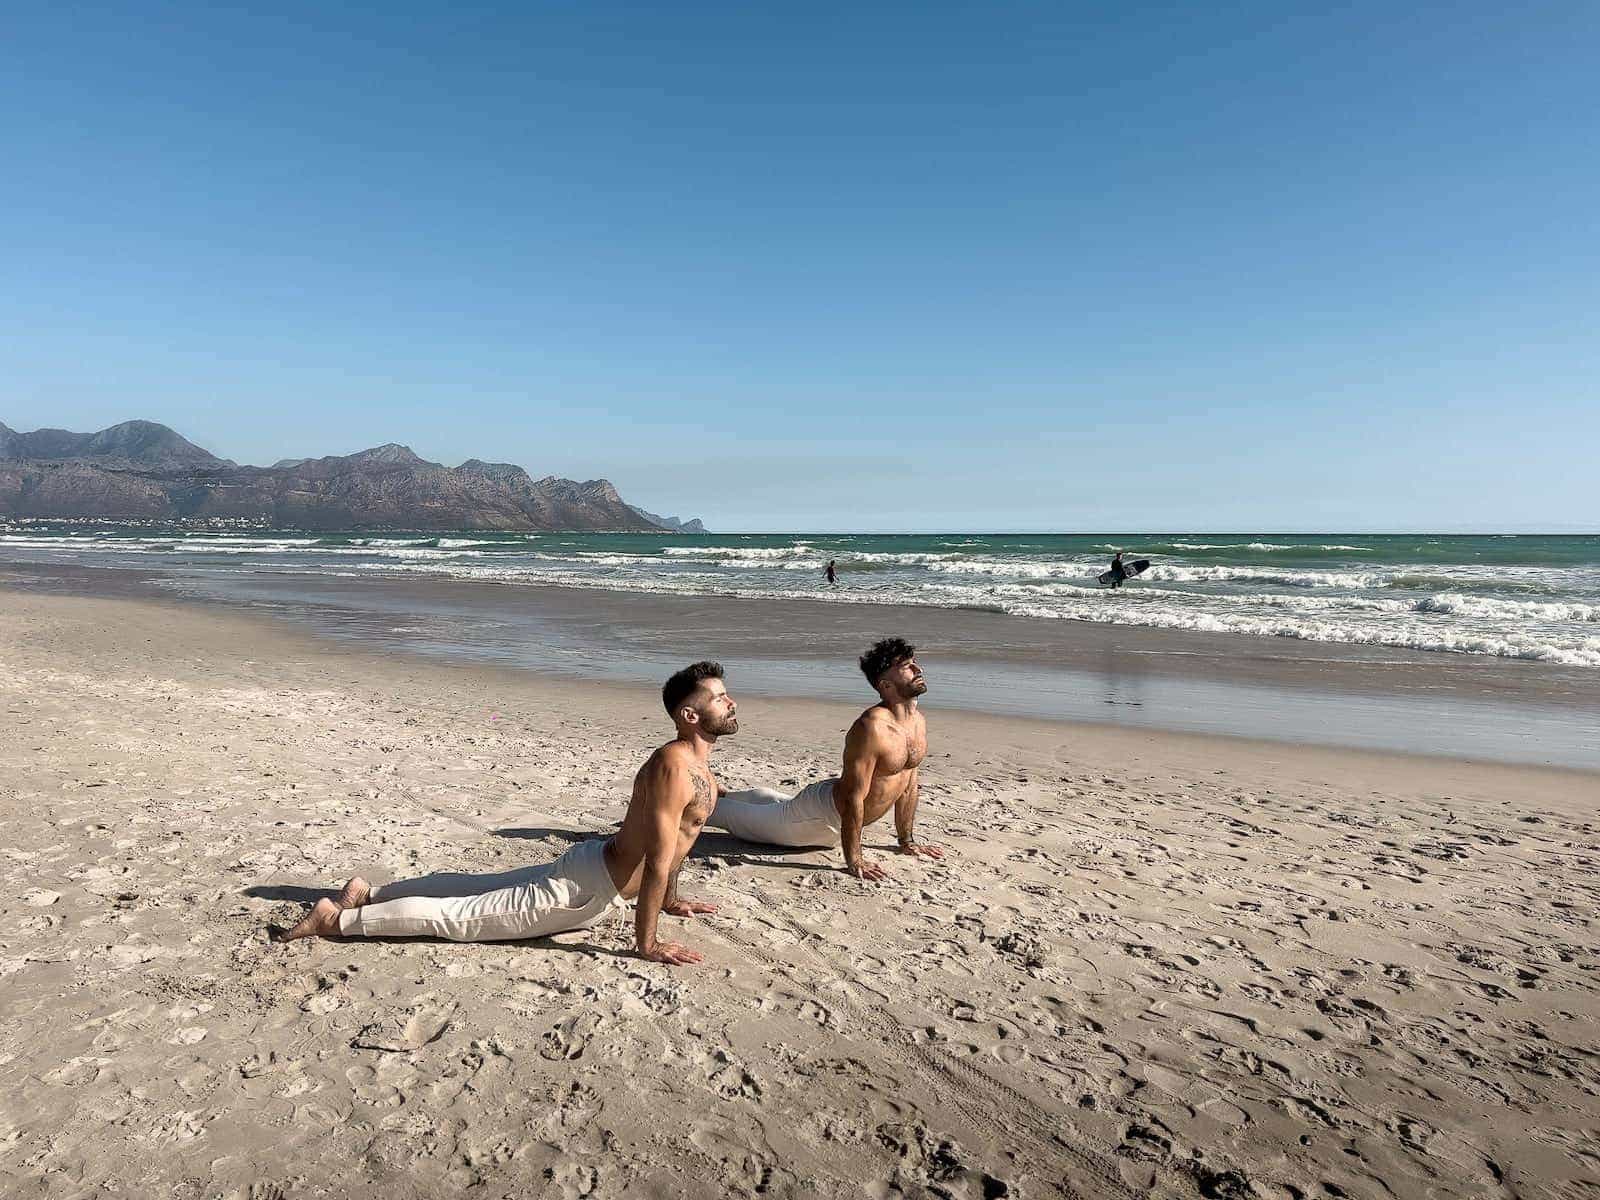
pixel 1357 697
pixel 810 714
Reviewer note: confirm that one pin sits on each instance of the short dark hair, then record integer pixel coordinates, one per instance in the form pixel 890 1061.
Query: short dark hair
pixel 884 654
pixel 683 684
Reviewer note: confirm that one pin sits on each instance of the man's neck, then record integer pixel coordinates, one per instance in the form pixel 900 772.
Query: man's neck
pixel 902 710
pixel 699 745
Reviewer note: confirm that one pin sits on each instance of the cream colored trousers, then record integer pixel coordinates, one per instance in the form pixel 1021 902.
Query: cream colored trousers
pixel 573 892
pixel 765 815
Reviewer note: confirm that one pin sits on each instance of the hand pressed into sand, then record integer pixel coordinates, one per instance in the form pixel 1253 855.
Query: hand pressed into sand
pixel 674 954
pixel 863 868
pixel 687 908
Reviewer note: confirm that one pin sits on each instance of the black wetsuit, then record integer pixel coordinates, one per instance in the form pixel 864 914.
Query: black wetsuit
pixel 1118 572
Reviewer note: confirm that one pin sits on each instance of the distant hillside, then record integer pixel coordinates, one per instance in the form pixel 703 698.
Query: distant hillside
pixel 142 445
pixel 692 525
pixel 140 470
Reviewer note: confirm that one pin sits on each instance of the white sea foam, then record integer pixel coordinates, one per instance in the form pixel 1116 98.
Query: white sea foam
pixel 600 559
pixel 1520 610
pixel 805 551
pixel 1170 596
pixel 1020 568
pixel 209 539
pixel 1284 578
pixel 1259 547
pixel 754 552
pixel 1296 622
pixel 1509 610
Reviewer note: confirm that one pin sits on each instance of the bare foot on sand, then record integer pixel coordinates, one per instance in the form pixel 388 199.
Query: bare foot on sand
pixel 321 921
pixel 354 894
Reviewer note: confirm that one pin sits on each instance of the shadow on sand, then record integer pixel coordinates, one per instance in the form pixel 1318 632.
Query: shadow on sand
pixel 537 833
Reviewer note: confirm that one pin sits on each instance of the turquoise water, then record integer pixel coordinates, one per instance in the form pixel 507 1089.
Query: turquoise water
pixel 1533 597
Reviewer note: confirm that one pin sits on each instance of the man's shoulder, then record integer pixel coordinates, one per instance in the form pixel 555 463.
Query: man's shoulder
pixel 874 722
pixel 673 753
pixel 670 757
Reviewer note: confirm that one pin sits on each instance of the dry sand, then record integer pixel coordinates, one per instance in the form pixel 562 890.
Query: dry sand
pixel 1152 964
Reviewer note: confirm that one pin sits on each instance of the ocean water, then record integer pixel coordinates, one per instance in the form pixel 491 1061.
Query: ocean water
pixel 1534 597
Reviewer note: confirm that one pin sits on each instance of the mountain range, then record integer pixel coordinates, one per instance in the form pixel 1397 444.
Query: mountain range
pixel 140 470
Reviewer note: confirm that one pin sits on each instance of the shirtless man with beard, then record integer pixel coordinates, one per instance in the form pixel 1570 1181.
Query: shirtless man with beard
pixel 673 794
pixel 882 752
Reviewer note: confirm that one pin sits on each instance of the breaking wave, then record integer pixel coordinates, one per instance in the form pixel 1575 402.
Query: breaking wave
pixel 1532 597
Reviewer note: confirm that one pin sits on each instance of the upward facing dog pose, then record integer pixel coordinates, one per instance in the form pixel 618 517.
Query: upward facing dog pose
pixel 673 794
pixel 881 754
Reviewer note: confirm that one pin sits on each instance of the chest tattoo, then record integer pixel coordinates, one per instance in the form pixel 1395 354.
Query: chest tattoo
pixel 703 791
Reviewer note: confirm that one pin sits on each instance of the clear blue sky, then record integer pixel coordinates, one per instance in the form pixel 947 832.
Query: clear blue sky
pixel 894 266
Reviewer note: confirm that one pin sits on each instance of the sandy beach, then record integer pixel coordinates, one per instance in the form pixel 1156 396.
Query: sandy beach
pixel 1153 964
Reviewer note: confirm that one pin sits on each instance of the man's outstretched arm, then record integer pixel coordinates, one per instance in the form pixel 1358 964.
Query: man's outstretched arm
pixel 850 796
pixel 680 906
pixel 905 816
pixel 669 796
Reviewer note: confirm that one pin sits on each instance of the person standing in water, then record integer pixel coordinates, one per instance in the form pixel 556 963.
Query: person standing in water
pixel 833 576
pixel 1118 571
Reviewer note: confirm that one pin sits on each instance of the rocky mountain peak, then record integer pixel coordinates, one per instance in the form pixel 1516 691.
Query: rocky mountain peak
pixel 390 454
pixel 504 472
pixel 141 444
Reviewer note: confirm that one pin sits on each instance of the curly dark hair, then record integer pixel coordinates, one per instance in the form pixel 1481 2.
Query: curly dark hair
pixel 883 655
pixel 682 685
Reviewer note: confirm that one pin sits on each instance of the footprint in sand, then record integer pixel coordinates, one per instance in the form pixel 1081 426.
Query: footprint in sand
pixel 575 1109
pixel 728 1078
pixel 482 1056
pixel 929 1164
pixel 823 1125
pixel 779 1000
pixel 566 1041
pixel 330 992
pixel 576 1180
pixel 661 998
pixel 260 1191
pixel 1022 948
pixel 264 1064
pixel 377 1087
pixel 745 1170
pixel 405 1031
pixel 76 1071
pixel 177 1127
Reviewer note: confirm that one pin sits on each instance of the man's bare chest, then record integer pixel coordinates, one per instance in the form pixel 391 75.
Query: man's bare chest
pixel 908 747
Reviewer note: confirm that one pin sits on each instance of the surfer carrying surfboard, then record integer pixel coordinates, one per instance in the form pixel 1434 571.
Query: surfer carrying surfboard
pixel 1120 570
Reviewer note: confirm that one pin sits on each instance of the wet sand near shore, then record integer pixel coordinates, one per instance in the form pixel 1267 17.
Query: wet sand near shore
pixel 1454 705
pixel 1154 964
